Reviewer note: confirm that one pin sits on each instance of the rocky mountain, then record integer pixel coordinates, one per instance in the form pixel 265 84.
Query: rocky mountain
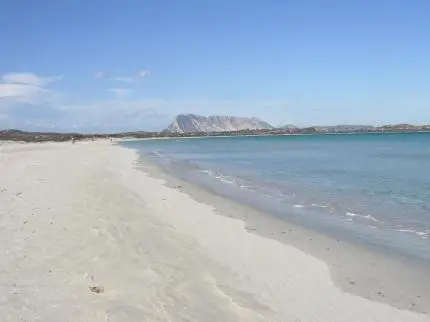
pixel 344 128
pixel 288 127
pixel 186 123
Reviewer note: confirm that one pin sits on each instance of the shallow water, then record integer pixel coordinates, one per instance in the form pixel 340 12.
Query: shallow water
pixel 372 188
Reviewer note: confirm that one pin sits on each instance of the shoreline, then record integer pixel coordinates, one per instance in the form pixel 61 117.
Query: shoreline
pixel 125 139
pixel 87 236
pixel 355 268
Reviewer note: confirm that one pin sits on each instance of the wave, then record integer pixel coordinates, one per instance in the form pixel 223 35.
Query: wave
pixel 319 205
pixel 367 217
pixel 371 218
pixel 269 191
pixel 422 234
pixel 351 214
pixel 298 206
pixel 157 154
pixel 224 178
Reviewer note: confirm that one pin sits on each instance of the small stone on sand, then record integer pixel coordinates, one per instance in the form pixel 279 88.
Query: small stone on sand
pixel 97 289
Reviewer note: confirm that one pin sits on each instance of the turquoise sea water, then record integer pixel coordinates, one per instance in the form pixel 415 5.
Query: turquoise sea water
pixel 372 188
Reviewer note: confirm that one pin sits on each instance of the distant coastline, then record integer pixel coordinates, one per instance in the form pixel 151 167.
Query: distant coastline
pixel 24 136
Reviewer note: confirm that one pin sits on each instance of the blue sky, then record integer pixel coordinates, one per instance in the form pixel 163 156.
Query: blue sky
pixel 126 65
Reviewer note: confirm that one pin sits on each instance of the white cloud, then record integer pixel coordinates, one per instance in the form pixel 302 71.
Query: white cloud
pixel 156 114
pixel 29 79
pixel 123 78
pixel 116 115
pixel 120 92
pixel 26 88
pixel 143 73
pixel 18 91
pixel 111 115
pixel 22 92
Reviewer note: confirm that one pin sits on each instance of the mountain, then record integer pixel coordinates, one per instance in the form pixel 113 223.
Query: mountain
pixel 288 127
pixel 344 128
pixel 185 123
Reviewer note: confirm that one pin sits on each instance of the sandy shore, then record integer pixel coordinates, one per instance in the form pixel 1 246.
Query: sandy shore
pixel 73 217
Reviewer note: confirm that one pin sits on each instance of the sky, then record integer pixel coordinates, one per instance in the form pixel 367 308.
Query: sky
pixel 116 65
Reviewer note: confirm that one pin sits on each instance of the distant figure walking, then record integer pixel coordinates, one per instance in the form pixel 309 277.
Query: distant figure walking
pixel 73 140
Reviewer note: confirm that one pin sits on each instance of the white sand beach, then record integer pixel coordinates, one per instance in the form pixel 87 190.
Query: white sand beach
pixel 81 218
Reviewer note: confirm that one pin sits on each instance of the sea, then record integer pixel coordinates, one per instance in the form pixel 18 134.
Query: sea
pixel 373 189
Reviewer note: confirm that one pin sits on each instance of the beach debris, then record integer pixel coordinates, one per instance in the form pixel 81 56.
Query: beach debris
pixel 381 294
pixel 2 189
pixel 97 289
